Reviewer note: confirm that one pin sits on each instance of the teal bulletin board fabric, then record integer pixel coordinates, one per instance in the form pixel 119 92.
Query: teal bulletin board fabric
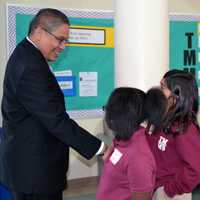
pixel 81 59
pixel 184 49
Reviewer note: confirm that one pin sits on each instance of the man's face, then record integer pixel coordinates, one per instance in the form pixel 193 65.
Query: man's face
pixel 51 44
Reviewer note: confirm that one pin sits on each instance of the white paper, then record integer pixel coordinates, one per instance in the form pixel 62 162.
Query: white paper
pixel 115 157
pixel 86 36
pixel 63 73
pixel 65 84
pixel 88 84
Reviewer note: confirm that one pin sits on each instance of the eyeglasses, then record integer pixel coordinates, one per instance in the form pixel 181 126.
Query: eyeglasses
pixel 60 40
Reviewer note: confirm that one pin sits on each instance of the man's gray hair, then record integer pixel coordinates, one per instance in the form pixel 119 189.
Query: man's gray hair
pixel 48 18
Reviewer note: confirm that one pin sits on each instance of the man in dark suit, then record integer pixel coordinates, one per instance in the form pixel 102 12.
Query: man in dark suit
pixel 38 132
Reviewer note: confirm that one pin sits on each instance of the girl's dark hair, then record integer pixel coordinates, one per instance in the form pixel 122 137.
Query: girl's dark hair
pixel 172 72
pixel 185 93
pixel 125 111
pixel 191 81
pixel 155 108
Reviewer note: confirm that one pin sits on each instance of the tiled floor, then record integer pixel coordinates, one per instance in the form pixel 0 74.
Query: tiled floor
pixel 196 194
pixel 85 186
pixel 82 197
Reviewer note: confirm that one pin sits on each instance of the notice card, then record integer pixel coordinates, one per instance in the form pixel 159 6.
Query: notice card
pixel 88 84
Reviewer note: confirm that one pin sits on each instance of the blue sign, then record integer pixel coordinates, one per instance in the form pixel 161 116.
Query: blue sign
pixel 67 85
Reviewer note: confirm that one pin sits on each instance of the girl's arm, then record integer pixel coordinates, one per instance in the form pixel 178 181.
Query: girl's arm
pixel 188 148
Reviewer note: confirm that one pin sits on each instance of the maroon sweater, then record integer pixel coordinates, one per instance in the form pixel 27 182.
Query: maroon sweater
pixel 178 160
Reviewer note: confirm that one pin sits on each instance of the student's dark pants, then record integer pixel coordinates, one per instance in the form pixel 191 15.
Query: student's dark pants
pixel 22 196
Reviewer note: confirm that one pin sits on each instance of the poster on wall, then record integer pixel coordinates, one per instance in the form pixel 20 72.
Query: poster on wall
pixel 184 52
pixel 85 69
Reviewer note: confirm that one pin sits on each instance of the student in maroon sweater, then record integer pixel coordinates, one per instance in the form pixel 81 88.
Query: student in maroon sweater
pixel 175 139
pixel 129 167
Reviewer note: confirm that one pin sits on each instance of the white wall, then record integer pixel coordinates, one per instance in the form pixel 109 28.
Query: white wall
pixel 184 6
pixel 78 168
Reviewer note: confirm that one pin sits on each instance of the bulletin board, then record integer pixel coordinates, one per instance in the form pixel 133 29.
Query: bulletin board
pixel 184 49
pixel 85 69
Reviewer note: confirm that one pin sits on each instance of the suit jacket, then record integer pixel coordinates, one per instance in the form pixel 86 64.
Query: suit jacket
pixel 38 132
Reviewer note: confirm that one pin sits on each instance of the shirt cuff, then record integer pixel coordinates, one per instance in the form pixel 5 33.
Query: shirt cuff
pixel 101 149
